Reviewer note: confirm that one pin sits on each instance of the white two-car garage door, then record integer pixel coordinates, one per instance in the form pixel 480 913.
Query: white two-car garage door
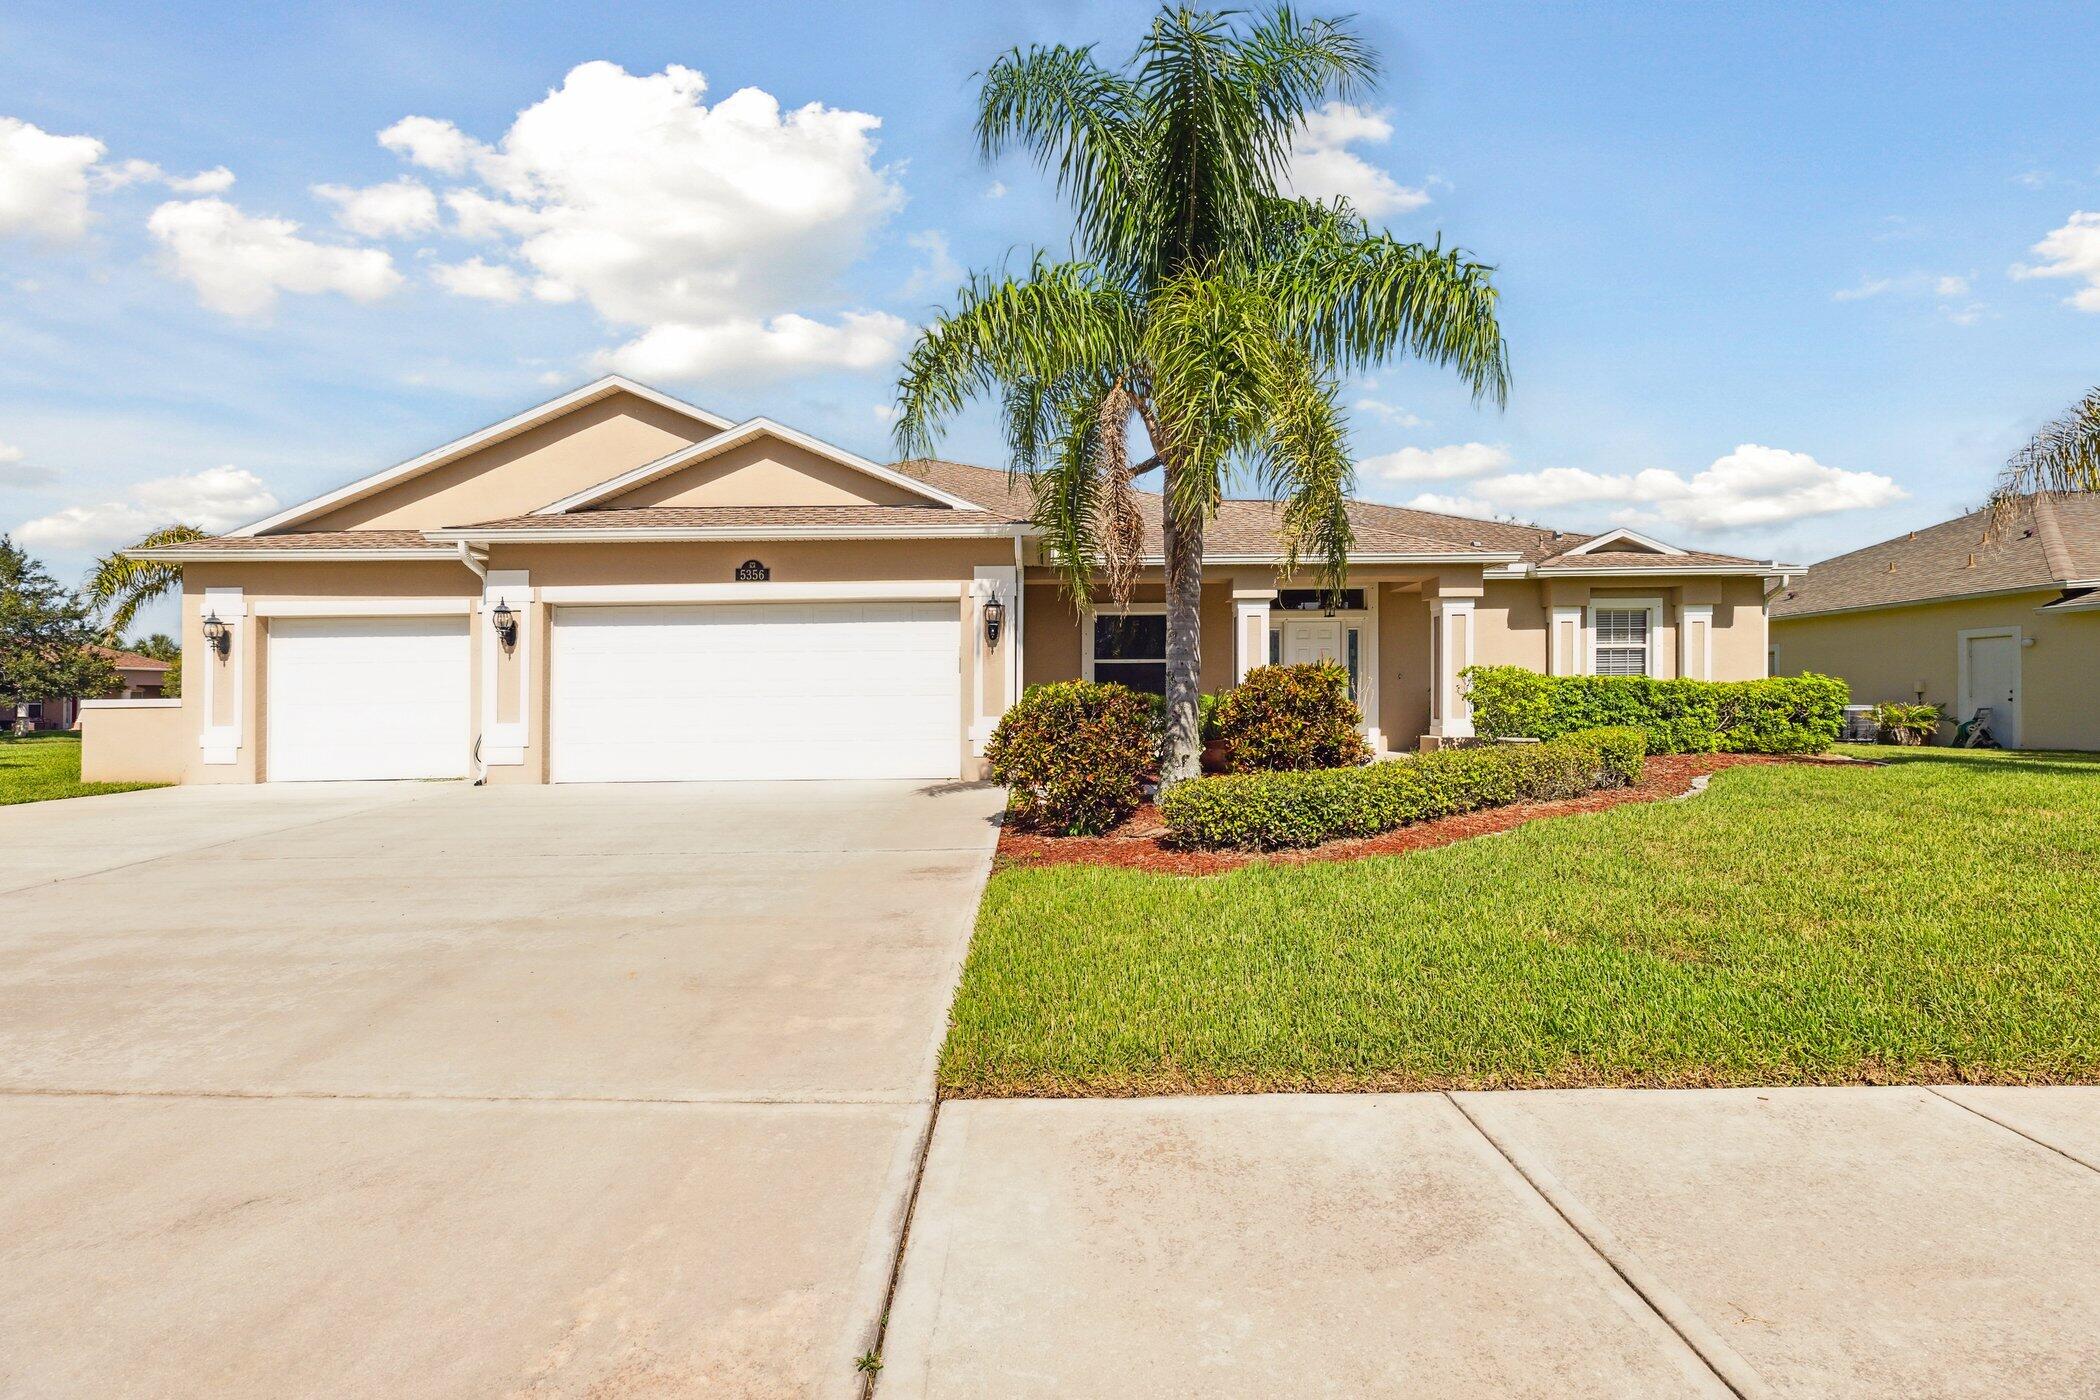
pixel 367 697
pixel 756 690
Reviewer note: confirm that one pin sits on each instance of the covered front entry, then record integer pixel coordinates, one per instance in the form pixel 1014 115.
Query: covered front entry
pixel 367 697
pixel 726 691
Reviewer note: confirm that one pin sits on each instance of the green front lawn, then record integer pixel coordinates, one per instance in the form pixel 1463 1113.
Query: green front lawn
pixel 39 767
pixel 1937 919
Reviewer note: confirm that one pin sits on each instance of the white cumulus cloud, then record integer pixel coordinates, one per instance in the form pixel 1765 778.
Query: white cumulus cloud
pixel 679 350
pixel 216 180
pixel 1389 413
pixel 1752 486
pixel 217 498
pixel 44 182
pixel 18 473
pixel 713 230
pixel 1322 166
pixel 2070 251
pixel 391 210
pixel 1446 463
pixel 239 263
pixel 484 281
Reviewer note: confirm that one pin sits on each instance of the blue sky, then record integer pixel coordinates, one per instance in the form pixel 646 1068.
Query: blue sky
pixel 1776 280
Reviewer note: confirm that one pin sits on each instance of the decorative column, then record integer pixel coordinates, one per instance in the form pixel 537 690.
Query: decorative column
pixel 225 698
pixel 1250 628
pixel 1451 651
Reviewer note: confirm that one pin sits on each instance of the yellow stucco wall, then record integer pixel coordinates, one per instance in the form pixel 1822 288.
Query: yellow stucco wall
pixel 1913 653
pixel 591 444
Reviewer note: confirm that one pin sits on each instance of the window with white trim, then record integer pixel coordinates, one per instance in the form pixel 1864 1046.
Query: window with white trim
pixel 1622 641
pixel 1131 649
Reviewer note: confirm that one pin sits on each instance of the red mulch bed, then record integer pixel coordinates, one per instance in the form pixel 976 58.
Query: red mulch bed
pixel 1136 844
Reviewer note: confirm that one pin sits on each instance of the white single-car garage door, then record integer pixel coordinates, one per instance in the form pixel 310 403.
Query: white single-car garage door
pixel 756 690
pixel 367 697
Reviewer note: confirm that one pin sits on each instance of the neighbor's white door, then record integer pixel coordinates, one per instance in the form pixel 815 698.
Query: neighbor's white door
pixel 1990 668
pixel 1307 642
pixel 756 690
pixel 367 697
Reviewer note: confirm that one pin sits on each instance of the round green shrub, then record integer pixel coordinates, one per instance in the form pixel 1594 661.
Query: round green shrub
pixel 1074 756
pixel 1291 718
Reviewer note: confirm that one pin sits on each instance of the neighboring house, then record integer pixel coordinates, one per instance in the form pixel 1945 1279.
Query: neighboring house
pixel 141 676
pixel 618 586
pixel 1950 617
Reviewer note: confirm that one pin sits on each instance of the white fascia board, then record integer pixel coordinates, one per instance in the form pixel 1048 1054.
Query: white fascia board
pixel 1610 537
pixel 744 432
pixel 1354 559
pixel 495 432
pixel 176 554
pixel 639 534
pixel 1670 571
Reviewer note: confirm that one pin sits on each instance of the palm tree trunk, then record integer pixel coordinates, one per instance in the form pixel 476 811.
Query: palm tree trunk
pixel 1184 560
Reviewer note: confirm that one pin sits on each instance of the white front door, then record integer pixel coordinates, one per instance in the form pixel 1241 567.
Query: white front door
pixel 367 697
pixel 720 691
pixel 1990 670
pixel 1307 641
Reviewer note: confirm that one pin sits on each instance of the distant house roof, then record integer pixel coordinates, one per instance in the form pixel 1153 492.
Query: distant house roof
pixel 128 660
pixel 2055 543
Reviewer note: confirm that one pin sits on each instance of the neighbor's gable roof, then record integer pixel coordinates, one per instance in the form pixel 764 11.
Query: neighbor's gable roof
pixel 2056 544
pixel 496 432
pixel 128 660
pixel 748 431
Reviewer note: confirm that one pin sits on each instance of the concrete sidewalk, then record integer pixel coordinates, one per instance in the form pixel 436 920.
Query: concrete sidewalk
pixel 1810 1242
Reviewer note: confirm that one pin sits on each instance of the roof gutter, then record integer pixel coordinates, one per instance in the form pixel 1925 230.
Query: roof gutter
pixel 688 534
pixel 181 554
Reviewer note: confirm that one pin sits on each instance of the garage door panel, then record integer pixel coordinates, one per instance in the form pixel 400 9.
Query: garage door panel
pixel 379 697
pixel 756 691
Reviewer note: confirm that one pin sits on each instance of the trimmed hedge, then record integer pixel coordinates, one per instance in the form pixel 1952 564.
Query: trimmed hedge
pixel 1789 714
pixel 1074 756
pixel 1282 718
pixel 1271 811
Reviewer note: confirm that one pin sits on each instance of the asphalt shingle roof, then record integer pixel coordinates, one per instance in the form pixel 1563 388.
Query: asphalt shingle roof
pixel 2056 542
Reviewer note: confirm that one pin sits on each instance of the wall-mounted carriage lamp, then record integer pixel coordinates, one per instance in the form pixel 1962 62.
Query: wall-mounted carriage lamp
pixel 217 635
pixel 506 622
pixel 994 619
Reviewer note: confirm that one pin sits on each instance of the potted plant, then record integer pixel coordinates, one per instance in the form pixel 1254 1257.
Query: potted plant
pixel 1908 725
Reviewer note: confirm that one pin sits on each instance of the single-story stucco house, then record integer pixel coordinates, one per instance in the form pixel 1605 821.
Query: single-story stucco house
pixel 1955 616
pixel 138 678
pixel 617 585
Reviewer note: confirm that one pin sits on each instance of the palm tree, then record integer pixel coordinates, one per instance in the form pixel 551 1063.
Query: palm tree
pixel 119 585
pixel 1204 304
pixel 2063 457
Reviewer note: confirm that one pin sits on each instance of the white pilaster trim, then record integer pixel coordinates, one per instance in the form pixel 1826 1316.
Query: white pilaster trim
pixel 1453 713
pixel 1250 629
pixel 1699 664
pixel 222 742
pixel 990 581
pixel 503 741
pixel 1566 658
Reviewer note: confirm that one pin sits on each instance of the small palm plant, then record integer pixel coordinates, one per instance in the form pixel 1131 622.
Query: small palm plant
pixel 1206 305
pixel 119 586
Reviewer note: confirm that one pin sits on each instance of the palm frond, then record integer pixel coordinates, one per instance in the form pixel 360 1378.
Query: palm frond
pixel 1058 321
pixel 119 586
pixel 1080 123
pixel 2063 457
pixel 1119 524
pixel 1305 461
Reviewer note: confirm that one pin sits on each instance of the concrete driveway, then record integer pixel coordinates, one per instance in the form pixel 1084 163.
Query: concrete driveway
pixel 414 1090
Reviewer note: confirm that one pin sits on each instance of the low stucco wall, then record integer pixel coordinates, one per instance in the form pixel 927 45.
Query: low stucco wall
pixel 133 741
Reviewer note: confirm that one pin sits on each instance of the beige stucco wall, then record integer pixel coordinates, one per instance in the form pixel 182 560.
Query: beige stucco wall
pixel 1914 653
pixel 766 472
pixel 587 446
pixel 134 745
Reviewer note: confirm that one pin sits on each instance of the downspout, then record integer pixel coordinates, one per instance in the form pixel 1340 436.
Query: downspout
pixel 481 571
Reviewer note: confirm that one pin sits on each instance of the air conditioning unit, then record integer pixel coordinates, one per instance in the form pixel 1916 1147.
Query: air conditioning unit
pixel 1859 725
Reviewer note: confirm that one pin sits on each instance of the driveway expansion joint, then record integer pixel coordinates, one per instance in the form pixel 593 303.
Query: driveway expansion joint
pixel 1715 1354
